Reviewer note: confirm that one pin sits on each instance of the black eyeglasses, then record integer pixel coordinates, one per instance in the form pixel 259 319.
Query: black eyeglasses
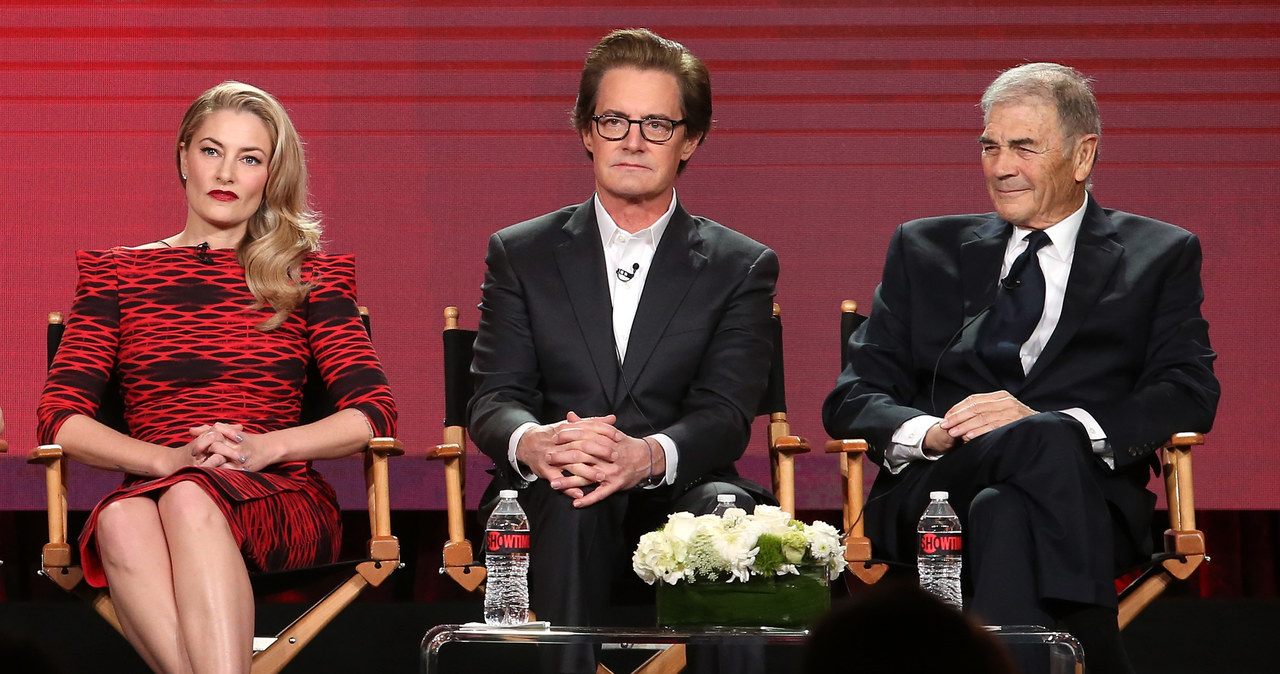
pixel 652 129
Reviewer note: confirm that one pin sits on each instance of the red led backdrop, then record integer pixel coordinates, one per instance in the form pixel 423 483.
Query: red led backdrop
pixel 430 127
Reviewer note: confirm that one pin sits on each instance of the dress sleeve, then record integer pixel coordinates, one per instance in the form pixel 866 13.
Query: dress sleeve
pixel 88 352
pixel 341 347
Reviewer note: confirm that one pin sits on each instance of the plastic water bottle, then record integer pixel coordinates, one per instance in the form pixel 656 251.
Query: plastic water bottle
pixel 506 558
pixel 939 554
pixel 723 503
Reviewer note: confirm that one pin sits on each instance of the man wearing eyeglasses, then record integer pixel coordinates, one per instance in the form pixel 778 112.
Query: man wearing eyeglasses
pixel 623 344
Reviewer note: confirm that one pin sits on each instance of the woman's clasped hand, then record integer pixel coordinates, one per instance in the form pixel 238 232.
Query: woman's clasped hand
pixel 224 445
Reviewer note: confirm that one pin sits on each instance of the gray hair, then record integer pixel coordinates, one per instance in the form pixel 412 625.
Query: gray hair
pixel 1063 87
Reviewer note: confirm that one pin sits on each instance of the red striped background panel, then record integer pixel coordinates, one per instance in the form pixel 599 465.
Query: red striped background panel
pixel 429 127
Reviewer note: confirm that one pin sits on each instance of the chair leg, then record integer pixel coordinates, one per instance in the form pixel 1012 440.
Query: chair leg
pixel 291 640
pixel 102 604
pixel 669 661
pixel 1142 595
pixel 858 556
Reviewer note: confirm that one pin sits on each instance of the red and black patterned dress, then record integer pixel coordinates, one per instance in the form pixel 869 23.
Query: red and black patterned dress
pixel 176 327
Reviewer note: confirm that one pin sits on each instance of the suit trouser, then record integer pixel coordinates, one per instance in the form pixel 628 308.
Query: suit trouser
pixel 1042 461
pixel 1038 530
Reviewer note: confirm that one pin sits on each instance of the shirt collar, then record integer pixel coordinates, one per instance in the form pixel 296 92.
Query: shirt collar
pixel 610 229
pixel 1062 234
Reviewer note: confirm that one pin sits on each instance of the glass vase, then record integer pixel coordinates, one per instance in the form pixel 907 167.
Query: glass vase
pixel 791 601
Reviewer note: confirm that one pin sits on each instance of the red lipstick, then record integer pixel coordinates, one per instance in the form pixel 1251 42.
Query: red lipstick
pixel 223 195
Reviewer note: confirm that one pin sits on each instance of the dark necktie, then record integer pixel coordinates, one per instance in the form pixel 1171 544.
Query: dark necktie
pixel 1019 304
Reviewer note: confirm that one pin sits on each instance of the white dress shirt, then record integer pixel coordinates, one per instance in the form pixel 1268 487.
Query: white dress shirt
pixel 1055 260
pixel 627 258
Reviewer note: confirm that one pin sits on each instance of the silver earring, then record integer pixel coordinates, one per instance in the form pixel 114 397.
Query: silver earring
pixel 184 177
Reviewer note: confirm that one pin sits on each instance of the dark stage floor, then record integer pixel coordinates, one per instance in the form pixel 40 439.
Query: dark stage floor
pixel 1173 636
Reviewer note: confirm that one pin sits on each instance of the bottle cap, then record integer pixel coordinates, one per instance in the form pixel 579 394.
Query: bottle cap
pixel 938 495
pixel 725 498
pixel 511 493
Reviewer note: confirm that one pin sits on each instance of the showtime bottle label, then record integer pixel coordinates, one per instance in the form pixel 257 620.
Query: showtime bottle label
pixel 940 543
pixel 504 541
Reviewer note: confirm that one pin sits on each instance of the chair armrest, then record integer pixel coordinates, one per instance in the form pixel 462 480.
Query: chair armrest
pixel 449 450
pixel 782 458
pixel 458 555
pixel 386 446
pixel 857 547
pixel 790 445
pixel 44 454
pixel 453 452
pixel 783 447
pixel 57 553
pixel 847 446
pixel 851 452
pixel 1181 539
pixel 1184 546
pixel 377 482
pixel 1176 464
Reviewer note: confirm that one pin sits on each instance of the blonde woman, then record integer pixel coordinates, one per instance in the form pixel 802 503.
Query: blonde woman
pixel 210 332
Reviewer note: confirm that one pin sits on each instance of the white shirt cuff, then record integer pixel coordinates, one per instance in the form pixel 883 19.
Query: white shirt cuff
pixel 673 459
pixel 511 450
pixel 1097 437
pixel 908 443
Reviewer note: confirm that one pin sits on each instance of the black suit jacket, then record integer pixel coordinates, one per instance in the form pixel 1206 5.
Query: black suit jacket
pixel 1131 347
pixel 697 359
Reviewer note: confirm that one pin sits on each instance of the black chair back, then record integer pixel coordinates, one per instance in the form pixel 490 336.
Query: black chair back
pixel 850 321
pixel 458 384
pixel 775 393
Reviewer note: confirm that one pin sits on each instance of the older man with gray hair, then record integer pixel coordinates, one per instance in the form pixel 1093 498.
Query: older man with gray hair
pixel 1029 361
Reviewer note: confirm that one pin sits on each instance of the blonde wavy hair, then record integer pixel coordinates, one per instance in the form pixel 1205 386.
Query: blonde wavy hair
pixel 285 229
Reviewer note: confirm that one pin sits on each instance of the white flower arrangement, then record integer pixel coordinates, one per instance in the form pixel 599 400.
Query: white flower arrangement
pixel 736 547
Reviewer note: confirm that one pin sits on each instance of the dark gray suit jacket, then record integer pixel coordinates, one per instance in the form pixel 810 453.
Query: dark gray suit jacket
pixel 697 359
pixel 1131 347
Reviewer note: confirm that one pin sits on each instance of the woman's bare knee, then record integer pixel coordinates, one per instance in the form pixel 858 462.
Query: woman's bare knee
pixel 124 528
pixel 188 504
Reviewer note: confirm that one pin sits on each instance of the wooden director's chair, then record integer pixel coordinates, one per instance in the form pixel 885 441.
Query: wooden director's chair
pixel 58 557
pixel 1184 547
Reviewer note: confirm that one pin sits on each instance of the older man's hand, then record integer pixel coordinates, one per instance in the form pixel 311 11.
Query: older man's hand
pixel 982 413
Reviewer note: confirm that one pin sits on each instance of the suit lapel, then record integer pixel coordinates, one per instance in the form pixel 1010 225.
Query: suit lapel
pixel 1098 252
pixel 580 259
pixel 980 260
pixel 676 264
